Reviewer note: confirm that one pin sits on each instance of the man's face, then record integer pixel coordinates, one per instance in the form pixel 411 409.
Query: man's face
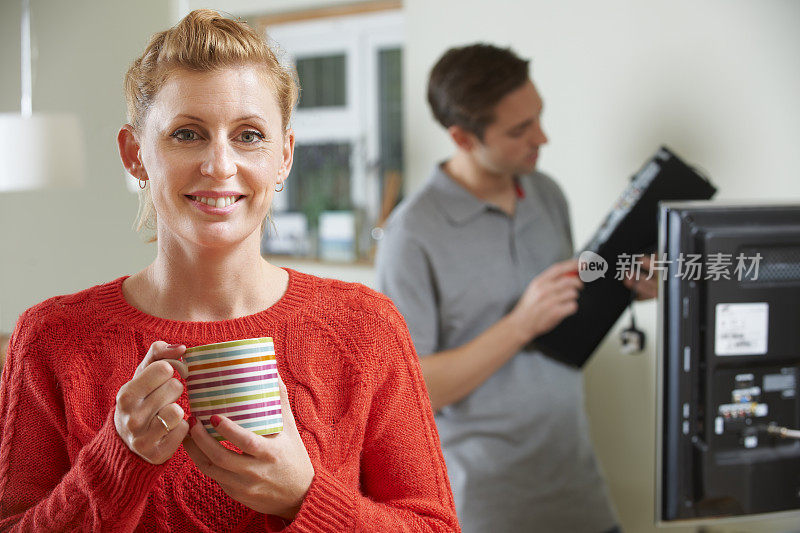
pixel 511 143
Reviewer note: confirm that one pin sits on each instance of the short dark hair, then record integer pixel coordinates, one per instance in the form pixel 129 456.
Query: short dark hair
pixel 467 83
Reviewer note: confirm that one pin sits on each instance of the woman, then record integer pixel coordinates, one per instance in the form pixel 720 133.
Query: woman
pixel 94 428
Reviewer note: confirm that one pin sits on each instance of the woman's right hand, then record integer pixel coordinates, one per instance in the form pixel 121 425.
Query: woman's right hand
pixel 150 394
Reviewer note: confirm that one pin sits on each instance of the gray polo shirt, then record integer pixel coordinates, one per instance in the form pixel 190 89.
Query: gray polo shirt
pixel 517 448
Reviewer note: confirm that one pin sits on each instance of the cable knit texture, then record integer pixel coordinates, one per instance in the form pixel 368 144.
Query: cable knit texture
pixel 354 384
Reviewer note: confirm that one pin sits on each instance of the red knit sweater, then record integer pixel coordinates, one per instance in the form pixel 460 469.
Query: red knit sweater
pixel 354 384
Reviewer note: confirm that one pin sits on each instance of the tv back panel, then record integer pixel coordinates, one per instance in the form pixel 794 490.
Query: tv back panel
pixel 729 361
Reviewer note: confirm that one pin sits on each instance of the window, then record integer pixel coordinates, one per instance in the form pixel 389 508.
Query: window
pixel 322 80
pixel 348 162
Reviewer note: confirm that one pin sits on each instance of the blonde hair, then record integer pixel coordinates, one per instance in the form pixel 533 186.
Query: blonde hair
pixel 202 41
pixel 3 349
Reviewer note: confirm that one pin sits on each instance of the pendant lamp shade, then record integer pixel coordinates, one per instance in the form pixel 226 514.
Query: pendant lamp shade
pixel 40 151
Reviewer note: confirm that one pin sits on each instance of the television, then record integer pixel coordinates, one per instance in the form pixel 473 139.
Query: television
pixel 728 362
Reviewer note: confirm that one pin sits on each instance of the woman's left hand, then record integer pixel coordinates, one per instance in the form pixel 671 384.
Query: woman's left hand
pixel 271 475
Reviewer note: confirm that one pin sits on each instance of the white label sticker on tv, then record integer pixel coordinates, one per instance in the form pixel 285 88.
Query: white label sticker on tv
pixel 741 329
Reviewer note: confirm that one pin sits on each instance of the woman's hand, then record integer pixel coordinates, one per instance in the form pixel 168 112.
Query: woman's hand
pixel 146 416
pixel 271 476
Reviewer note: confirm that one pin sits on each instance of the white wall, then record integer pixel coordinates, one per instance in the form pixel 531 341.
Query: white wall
pixel 717 81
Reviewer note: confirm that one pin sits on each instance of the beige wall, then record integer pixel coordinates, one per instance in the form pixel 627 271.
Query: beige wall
pixel 715 80
pixel 55 242
pixel 259 7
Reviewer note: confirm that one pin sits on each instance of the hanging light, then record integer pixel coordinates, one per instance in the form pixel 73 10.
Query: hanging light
pixel 38 150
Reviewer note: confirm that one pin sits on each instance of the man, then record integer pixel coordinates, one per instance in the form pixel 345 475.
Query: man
pixel 478 263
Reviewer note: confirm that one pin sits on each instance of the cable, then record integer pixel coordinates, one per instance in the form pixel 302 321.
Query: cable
pixel 632 338
pixel 782 432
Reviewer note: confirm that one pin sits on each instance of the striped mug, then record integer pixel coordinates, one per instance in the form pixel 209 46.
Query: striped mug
pixel 237 379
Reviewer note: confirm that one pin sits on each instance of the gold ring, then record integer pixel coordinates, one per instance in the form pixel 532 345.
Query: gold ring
pixel 163 423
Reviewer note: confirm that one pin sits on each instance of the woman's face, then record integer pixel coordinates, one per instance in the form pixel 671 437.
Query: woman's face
pixel 213 148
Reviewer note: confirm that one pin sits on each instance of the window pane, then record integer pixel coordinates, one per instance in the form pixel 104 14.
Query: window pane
pixel 322 81
pixel 390 126
pixel 320 179
pixel 390 90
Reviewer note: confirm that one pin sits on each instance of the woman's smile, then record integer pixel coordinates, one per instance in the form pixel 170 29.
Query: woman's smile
pixel 215 203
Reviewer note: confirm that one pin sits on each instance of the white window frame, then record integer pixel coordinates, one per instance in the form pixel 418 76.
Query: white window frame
pixel 359 38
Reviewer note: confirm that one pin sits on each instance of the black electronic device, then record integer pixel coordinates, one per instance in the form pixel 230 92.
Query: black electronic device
pixel 630 228
pixel 729 361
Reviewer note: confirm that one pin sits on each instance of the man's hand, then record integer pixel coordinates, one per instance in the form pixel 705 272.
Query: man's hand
pixel 644 288
pixel 549 298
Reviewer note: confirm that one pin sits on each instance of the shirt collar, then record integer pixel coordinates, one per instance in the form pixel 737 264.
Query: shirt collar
pixel 458 204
